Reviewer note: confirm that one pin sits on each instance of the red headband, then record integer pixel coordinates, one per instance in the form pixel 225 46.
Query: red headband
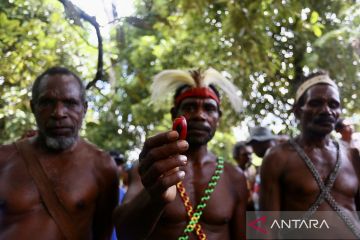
pixel 199 92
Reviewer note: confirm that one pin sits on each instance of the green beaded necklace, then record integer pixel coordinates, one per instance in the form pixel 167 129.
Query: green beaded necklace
pixel 195 217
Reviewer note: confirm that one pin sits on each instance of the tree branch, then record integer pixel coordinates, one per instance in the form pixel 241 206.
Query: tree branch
pixel 72 9
pixel 134 21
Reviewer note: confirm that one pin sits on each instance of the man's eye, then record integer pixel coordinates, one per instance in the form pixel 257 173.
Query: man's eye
pixel 211 108
pixel 46 102
pixel 334 105
pixel 188 108
pixel 314 103
pixel 70 103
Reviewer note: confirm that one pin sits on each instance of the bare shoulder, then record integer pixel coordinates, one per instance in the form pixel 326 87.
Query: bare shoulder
pixel 237 180
pixel 7 149
pixel 100 158
pixel 7 152
pixel 96 153
pixel 276 160
pixel 278 154
pixel 235 173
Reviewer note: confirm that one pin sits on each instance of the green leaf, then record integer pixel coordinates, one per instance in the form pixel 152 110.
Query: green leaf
pixel 317 30
pixel 314 17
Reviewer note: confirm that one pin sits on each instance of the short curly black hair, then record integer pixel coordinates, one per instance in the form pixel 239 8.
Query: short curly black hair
pixel 54 71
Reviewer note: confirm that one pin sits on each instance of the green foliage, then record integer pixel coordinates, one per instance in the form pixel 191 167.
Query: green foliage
pixel 265 46
pixel 34 36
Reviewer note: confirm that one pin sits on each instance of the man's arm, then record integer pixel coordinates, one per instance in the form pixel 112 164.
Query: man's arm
pixel 138 215
pixel 355 157
pixel 270 185
pixel 238 224
pixel 107 199
pixel 270 173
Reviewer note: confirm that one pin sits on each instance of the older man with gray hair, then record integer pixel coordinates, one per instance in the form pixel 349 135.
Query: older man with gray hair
pixel 313 173
pixel 56 185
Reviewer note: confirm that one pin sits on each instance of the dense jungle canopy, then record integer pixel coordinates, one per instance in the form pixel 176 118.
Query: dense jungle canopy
pixel 265 47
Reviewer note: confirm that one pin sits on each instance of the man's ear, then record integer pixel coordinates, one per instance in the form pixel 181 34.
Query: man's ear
pixel 296 110
pixel 173 112
pixel 85 107
pixel 32 106
pixel 220 113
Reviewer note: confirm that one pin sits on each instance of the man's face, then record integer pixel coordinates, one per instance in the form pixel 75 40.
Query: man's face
pixel 347 131
pixel 59 111
pixel 260 147
pixel 321 109
pixel 202 115
pixel 243 157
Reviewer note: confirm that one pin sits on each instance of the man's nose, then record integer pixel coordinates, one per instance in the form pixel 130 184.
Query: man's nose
pixel 200 113
pixel 59 110
pixel 326 109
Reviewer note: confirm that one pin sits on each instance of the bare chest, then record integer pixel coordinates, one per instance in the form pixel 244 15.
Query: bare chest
pixel 219 204
pixel 299 183
pixel 19 195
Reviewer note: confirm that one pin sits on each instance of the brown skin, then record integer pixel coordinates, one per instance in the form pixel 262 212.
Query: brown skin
pixel 148 213
pixel 260 147
pixel 83 176
pixel 346 133
pixel 286 182
pixel 243 156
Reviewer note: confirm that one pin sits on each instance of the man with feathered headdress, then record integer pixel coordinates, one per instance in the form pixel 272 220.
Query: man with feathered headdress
pixel 313 173
pixel 209 200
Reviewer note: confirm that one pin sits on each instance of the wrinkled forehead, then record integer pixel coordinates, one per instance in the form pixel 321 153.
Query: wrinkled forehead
pixel 59 84
pixel 58 80
pixel 323 91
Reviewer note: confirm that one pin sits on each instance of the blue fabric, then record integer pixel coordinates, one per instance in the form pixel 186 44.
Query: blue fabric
pixel 121 196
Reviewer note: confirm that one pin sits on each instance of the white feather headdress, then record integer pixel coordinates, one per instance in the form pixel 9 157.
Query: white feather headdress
pixel 168 81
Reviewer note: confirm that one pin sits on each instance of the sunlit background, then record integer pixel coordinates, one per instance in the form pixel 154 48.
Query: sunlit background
pixel 264 47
